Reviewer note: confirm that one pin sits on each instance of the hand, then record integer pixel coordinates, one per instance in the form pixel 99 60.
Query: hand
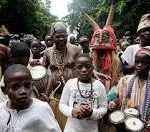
pixel 78 112
pixel 35 63
pixel 112 105
pixel 44 98
pixel 147 128
pixel 99 75
pixel 88 111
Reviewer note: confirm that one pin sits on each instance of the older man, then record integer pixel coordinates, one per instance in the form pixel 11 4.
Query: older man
pixel 143 31
pixel 60 59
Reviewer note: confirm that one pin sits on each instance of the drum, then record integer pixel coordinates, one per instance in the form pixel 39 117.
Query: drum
pixel 117 118
pixel 134 124
pixel 54 104
pixel 131 112
pixel 39 77
pixel 61 119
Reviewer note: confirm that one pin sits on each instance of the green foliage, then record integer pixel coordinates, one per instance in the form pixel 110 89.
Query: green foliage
pixel 28 16
pixel 2 2
pixel 127 14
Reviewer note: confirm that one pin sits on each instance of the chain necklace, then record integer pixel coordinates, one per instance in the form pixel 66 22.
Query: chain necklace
pixel 59 65
pixel 91 91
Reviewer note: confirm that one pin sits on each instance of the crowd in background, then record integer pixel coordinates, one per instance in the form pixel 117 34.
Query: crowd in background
pixel 81 95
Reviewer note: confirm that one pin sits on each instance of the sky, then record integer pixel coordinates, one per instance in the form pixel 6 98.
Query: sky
pixel 59 7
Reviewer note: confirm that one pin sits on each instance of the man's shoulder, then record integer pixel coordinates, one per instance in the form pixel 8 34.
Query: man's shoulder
pixel 39 104
pixel 134 46
pixel 2 109
pixel 72 47
pixel 127 77
pixel 99 84
pixel 72 81
pixel 48 50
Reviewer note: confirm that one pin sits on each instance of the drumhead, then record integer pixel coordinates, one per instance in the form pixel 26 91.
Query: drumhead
pixel 117 117
pixel 131 111
pixel 134 124
pixel 38 72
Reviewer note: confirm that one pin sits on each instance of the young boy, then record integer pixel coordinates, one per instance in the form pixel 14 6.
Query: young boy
pixel 21 112
pixel 83 99
pixel 36 58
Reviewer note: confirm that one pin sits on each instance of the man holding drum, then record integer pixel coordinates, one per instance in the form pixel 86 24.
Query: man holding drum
pixel 134 90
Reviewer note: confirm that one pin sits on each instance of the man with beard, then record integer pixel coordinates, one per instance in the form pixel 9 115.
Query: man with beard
pixel 21 112
pixel 128 55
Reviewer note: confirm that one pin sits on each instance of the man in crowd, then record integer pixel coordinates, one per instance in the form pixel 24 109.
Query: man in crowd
pixel 60 59
pixel 84 42
pixel 134 90
pixel 143 31
pixel 36 58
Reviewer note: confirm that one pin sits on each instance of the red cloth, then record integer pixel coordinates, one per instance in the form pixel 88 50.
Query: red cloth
pixel 112 38
pixel 3 49
pixel 106 64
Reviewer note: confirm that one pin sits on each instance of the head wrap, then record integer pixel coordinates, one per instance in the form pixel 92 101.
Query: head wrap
pixel 145 51
pixel 144 22
pixel 3 50
pixel 58 27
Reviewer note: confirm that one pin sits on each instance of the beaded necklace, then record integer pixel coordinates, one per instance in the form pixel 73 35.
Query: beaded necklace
pixel 147 99
pixel 59 65
pixel 91 91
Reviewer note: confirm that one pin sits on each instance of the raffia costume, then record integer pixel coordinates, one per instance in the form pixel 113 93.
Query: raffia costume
pixel 103 45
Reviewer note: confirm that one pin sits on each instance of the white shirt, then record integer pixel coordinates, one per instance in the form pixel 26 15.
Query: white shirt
pixel 3 97
pixel 37 118
pixel 71 98
pixel 129 54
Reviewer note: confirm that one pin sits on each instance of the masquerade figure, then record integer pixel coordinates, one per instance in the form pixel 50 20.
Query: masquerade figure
pixel 103 45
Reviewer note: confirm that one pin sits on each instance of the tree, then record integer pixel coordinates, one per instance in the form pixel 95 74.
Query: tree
pixel 27 16
pixel 127 15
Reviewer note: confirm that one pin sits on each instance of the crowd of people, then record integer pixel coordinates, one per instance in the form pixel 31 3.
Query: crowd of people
pixel 54 85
